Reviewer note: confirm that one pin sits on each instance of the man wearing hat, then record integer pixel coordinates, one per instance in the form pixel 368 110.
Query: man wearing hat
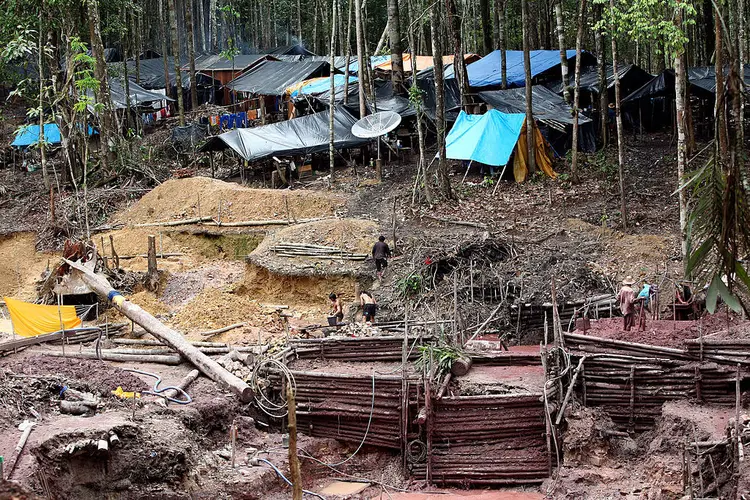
pixel 626 297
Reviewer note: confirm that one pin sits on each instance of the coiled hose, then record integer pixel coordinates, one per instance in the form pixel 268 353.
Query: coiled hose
pixel 282 476
pixel 157 391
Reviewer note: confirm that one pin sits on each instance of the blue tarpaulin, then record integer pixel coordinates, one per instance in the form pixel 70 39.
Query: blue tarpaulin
pixel 29 135
pixel 319 86
pixel 486 71
pixel 488 138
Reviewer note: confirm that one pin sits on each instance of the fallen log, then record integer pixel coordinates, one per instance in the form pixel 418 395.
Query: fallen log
pixel 211 333
pixel 110 356
pixel 170 337
pixel 47 337
pixel 180 222
pixel 184 384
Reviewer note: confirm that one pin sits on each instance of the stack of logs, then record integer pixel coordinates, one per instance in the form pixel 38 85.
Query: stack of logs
pixel 316 251
pixel 339 406
pixel 487 440
pixel 632 381
pixel 386 349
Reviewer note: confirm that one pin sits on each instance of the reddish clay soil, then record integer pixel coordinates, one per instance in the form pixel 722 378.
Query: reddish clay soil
pixel 669 333
pixel 459 495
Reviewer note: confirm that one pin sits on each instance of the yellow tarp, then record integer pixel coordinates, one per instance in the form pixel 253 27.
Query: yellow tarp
pixel 543 160
pixel 30 320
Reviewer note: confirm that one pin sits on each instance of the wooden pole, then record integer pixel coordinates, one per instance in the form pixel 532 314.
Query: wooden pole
pixel 170 337
pixel 293 458
pixel 153 273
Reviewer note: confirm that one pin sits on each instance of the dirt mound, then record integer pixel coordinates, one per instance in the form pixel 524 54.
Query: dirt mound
pixel 214 308
pixel 21 266
pixel 181 288
pixel 191 197
pixel 96 376
pixel 352 235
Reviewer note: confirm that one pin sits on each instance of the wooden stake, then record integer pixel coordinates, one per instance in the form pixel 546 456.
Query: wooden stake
pixel 293 458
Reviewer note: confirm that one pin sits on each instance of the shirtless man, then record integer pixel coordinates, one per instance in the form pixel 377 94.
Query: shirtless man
pixel 369 306
pixel 337 309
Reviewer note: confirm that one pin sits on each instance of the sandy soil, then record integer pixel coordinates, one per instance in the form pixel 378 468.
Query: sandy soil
pixel 21 265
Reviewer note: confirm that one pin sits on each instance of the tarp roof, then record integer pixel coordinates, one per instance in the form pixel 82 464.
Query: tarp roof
pixel 384 100
pixel 631 76
pixel 662 85
pixel 138 95
pixel 291 50
pixel 299 136
pixel 215 62
pixel 546 105
pixel 152 73
pixel 28 135
pixel 423 62
pixel 486 72
pixel 273 77
pixel 426 83
pixel 320 84
pixel 488 138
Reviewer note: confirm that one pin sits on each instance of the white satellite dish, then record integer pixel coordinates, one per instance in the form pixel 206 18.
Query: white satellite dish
pixel 376 124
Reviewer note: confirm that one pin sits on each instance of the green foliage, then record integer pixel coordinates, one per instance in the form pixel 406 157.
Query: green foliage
pixel 416 97
pixel 717 234
pixel 442 356
pixel 410 285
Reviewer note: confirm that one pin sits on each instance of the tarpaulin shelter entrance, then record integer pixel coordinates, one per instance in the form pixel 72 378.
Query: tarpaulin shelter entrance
pixel 299 136
pixel 30 320
pixel 492 138
pixel 486 72
pixel 550 110
pixel 28 135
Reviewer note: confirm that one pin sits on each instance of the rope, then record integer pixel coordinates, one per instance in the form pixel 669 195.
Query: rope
pixel 156 391
pixel 287 481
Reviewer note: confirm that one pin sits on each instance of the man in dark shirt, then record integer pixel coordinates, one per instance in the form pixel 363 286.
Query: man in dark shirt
pixel 380 252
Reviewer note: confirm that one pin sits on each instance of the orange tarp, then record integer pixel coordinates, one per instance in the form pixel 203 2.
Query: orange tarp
pixel 30 320
pixel 543 160
pixel 423 62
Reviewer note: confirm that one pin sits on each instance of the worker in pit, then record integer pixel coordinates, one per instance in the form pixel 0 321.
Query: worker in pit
pixel 381 252
pixel 369 307
pixel 337 309
pixel 626 298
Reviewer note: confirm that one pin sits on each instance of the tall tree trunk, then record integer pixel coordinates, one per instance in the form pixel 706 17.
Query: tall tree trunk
pixel 136 17
pixel 421 175
pixel 167 86
pixel 601 57
pixel 577 91
pixel 722 141
pixel 332 100
pixel 315 28
pixel 106 117
pixel 459 64
pixel 40 63
pixel 300 40
pixel 618 118
pixel 348 51
pixel 191 53
pixel 214 28
pixel 394 33
pixel 502 44
pixel 734 88
pixel 361 69
pixel 443 183
pixel 484 16
pixel 561 44
pixel 680 105
pixel 525 20
pixel 201 26
pixel 708 28
pixel 126 39
pixel 176 55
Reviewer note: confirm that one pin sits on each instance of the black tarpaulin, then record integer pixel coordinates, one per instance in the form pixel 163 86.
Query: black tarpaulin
pixel 151 73
pixel 291 50
pixel 384 99
pixel 426 83
pixel 549 109
pixel 662 85
pixel 273 77
pixel 215 62
pixel 631 77
pixel 299 136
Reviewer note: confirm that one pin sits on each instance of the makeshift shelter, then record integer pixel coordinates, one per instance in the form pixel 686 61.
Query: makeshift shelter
pixel 426 83
pixel 28 135
pixel 486 72
pixel 631 76
pixel 550 110
pixel 273 77
pixel 492 138
pixel 30 320
pixel 422 62
pixel 384 98
pixel 139 97
pixel 225 70
pixel 315 86
pixel 299 136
